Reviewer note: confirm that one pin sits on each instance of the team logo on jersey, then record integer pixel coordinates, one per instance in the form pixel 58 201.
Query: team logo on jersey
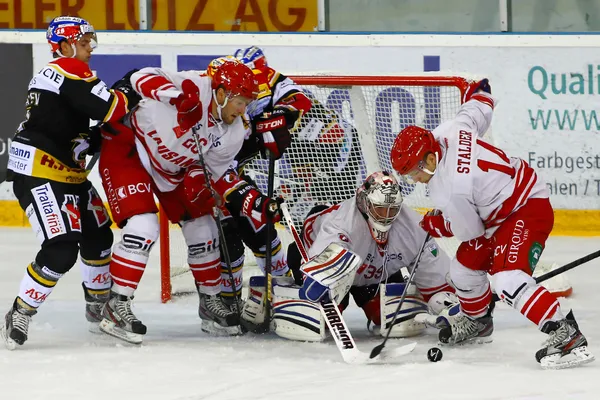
pixel 80 148
pixel 535 252
pixel 344 238
pixel 71 207
pixel 96 206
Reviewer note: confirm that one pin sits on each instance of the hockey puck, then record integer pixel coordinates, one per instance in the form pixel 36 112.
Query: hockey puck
pixel 434 354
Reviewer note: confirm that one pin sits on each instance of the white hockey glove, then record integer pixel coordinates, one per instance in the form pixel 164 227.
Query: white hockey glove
pixel 329 275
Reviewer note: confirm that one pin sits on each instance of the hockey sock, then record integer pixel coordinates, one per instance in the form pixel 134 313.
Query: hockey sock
pixel 36 285
pixel 130 255
pixel 237 268
pixel 279 265
pixel 95 276
pixel 475 302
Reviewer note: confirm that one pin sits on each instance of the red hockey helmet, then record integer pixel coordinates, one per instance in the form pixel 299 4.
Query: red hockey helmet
pixel 410 148
pixel 236 79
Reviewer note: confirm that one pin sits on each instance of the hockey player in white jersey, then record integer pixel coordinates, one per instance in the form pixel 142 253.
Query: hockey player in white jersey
pixel 158 156
pixel 498 207
pixel 279 107
pixel 386 237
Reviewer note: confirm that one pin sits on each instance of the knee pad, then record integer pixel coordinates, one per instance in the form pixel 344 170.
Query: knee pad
pixel 390 295
pixel 511 285
pixel 59 256
pixel 464 279
pixel 97 244
pixel 140 233
pixel 296 319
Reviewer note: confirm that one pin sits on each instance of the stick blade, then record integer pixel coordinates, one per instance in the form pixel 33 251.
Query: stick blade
pixel 377 350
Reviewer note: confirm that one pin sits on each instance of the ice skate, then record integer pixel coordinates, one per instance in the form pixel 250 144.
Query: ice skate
pixel 120 322
pixel 94 302
pixel 465 330
pixel 16 324
pixel 217 317
pixel 565 347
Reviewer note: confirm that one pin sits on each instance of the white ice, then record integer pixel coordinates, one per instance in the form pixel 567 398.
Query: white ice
pixel 62 360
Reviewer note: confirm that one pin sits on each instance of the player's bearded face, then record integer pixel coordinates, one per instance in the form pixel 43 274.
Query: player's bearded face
pixel 235 107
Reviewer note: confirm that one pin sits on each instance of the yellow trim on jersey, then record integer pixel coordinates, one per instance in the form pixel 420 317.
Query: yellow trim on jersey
pixel 103 261
pixel 69 75
pixel 113 106
pixel 274 78
pixel 49 167
pixel 38 278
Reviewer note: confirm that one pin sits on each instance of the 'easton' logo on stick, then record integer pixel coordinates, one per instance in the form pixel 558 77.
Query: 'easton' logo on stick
pixel 337 325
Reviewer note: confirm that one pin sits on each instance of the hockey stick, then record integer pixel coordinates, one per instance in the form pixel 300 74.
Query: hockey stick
pixel 269 245
pixel 333 317
pixel 377 349
pixel 567 267
pixel 217 215
pixel 560 270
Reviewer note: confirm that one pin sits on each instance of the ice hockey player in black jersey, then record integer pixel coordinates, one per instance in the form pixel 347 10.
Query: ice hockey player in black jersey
pixel 47 167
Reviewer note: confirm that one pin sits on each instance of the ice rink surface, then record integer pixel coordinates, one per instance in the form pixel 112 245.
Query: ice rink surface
pixel 62 360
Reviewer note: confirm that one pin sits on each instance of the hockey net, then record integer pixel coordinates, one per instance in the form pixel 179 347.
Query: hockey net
pixel 347 135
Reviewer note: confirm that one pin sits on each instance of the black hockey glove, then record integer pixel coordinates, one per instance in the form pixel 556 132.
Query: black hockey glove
pixel 123 85
pixel 273 130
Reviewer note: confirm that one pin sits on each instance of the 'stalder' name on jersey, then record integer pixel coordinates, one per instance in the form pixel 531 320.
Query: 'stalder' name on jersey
pixel 463 161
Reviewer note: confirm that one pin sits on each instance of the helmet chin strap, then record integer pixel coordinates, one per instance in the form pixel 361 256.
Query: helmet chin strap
pixel 74 51
pixel 219 106
pixel 436 163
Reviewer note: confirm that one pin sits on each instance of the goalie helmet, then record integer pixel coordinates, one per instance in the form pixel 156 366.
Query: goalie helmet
pixel 70 29
pixel 253 57
pixel 379 200
pixel 410 147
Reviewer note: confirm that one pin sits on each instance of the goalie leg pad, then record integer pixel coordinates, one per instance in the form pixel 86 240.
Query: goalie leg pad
pixel 253 313
pixel 413 304
pixel 296 319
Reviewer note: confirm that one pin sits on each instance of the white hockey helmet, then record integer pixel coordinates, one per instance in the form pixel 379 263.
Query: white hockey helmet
pixel 379 199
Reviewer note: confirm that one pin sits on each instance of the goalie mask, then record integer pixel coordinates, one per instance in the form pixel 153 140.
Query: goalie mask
pixel 379 200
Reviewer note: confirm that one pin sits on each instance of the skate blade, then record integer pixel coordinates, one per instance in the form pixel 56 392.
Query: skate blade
pixel 212 328
pixel 8 342
pixel 110 328
pixel 578 356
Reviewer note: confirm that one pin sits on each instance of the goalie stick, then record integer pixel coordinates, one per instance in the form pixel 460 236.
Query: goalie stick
pixel 377 349
pixel 217 215
pixel 335 322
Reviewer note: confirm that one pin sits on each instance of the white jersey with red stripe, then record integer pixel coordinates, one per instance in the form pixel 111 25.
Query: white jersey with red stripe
pixel 166 151
pixel 344 224
pixel 476 185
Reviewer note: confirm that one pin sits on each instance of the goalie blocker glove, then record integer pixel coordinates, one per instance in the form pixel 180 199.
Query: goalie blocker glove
pixel 248 200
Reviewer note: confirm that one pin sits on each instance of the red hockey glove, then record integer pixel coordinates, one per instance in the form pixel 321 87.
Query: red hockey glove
pixel 189 107
pixel 434 223
pixel 475 87
pixel 196 190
